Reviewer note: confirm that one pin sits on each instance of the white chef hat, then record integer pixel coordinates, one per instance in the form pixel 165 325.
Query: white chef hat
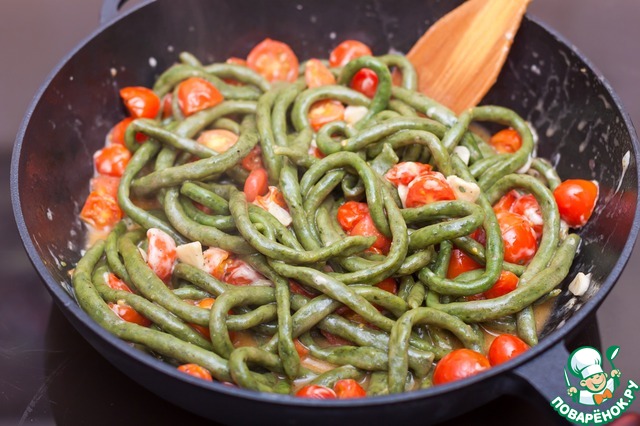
pixel 585 361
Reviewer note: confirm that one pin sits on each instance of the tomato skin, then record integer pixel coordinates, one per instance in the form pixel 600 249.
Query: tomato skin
pixel 461 262
pixel 253 160
pixel 347 51
pixel 128 314
pixel 296 288
pixel 196 371
pixel 316 74
pixel 106 185
pixel 520 242
pixel 112 160
pixel 237 272
pixel 459 364
pixel 161 253
pixel 219 140
pixel 316 392
pixel 403 173
pixel 367 228
pixel 507 282
pixel 326 111
pixel 101 210
pixel 506 141
pixel 504 347
pixel 507 201
pixel 365 81
pixel 350 213
pixel 117 284
pixel 389 284
pixel 527 206
pixel 256 184
pixel 428 188
pixel 141 102
pixel 301 349
pixel 117 133
pixel 334 340
pixel 274 60
pixel 196 94
pixel 576 200
pixel 348 388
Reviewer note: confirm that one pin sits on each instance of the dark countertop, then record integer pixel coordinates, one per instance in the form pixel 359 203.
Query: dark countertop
pixel 50 375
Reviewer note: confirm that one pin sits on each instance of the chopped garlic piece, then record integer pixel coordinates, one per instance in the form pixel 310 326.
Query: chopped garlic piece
pixel 466 191
pixel 526 166
pixel 279 213
pixel 580 284
pixel 564 230
pixel 191 254
pixel 143 254
pixel 353 114
pixel 462 152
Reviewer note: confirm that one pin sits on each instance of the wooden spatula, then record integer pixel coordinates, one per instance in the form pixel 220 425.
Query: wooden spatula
pixel 459 58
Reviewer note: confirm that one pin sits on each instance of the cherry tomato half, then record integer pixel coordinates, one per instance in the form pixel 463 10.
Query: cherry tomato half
pixel 403 173
pixel 365 81
pixel 117 284
pixel 107 185
pixel 316 74
pixel 161 253
pixel 520 243
pixel 507 282
pixel 128 314
pixel 507 201
pixel 116 135
pixel 504 347
pixel 112 160
pixel 460 263
pixel 506 141
pixel 101 210
pixel 256 184
pixel 576 200
pixel 196 371
pixel 428 188
pixel 274 60
pixel 219 140
pixel 196 94
pixel 459 364
pixel 316 392
pixel 140 102
pixel 350 213
pixel 389 284
pixel 349 388
pixel 527 206
pixel 326 111
pixel 367 228
pixel 347 51
pixel 253 160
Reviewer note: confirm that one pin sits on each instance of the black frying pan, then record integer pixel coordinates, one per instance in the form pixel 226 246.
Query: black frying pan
pixel 581 125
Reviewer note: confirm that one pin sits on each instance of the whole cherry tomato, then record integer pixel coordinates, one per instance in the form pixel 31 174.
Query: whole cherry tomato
pixel 427 188
pixel 576 200
pixel 507 282
pixel 140 102
pixel 365 81
pixel 367 228
pixel 256 184
pixel 459 364
pixel 112 160
pixel 349 388
pixel 504 347
pixel 506 141
pixel 196 371
pixel 347 51
pixel 520 243
pixel 350 213
pixel 460 262
pixel 196 94
pixel 316 392
pixel 274 60
pixel 316 74
pixel 326 111
pixel 128 314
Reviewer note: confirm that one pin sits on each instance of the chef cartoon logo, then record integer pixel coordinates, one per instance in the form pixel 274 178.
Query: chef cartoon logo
pixel 591 385
pixel 597 386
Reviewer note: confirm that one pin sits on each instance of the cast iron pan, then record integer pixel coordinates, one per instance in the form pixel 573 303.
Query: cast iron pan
pixel 581 124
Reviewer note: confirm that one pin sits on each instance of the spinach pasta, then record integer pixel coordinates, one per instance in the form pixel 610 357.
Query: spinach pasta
pixel 322 229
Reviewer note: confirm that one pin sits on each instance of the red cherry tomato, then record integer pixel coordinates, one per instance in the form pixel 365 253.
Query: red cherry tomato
pixel 140 102
pixel 527 206
pixel 117 284
pixel 196 371
pixel 107 185
pixel 347 51
pixel 316 392
pixel 504 347
pixel 334 340
pixel 507 282
pixel 365 81
pixel 316 74
pixel 459 364
pixel 128 314
pixel 403 173
pixel 428 188
pixel 506 141
pixel 326 111
pixel 237 272
pixel 256 184
pixel 219 140
pixel 296 288
pixel 274 60
pixel 101 210
pixel 461 262
pixel 349 388
pixel 253 160
pixel 112 160
pixel 116 136
pixel 576 200
pixel 520 243
pixel 350 213
pixel 507 201
pixel 367 228
pixel 302 350
pixel 389 285
pixel 196 94
pixel 161 253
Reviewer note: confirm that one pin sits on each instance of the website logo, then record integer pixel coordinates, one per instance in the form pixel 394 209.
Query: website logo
pixel 592 386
